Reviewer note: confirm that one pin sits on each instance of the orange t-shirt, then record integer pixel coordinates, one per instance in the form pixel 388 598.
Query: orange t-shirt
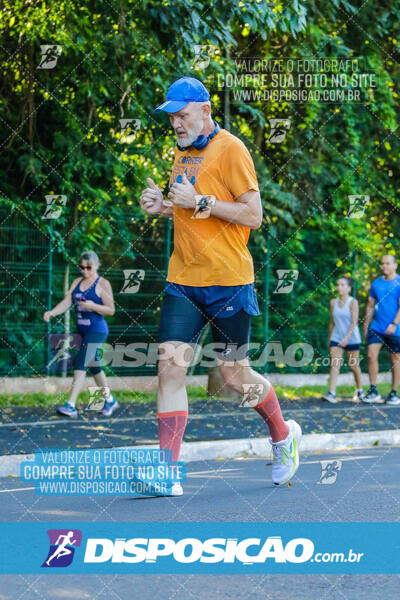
pixel 212 251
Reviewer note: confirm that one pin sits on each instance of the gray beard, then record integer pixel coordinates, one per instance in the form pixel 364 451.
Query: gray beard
pixel 187 140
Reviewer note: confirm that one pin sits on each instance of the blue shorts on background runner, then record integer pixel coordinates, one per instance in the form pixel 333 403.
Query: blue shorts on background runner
pixel 187 309
pixel 348 348
pixel 392 342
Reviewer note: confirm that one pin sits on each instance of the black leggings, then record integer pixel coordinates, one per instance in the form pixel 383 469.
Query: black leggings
pixel 182 320
pixel 90 352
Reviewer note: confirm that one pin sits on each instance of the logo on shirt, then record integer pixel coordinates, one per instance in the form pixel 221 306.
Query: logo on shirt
pixel 190 165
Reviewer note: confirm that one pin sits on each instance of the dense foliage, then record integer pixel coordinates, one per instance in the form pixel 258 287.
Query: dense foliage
pixel 61 135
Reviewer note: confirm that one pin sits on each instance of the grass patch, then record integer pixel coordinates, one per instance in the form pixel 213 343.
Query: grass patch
pixel 45 400
pixel 316 391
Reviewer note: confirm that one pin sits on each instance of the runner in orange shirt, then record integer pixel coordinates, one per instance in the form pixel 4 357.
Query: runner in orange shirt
pixel 214 201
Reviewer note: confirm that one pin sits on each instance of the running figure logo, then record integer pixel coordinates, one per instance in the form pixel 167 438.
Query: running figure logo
pixel 279 129
pixel 97 397
pixel 62 547
pixel 202 55
pixel 61 345
pixel 133 279
pixel 357 206
pixel 252 394
pixel 329 471
pixel 50 55
pixel 287 278
pixel 54 206
pixel 129 128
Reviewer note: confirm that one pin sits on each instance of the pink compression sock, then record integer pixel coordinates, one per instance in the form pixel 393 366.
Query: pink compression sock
pixel 271 412
pixel 171 427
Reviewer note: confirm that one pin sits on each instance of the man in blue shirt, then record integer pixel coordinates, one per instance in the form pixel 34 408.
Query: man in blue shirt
pixel 383 309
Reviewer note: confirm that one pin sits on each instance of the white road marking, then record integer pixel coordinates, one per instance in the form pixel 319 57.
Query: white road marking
pixel 17 490
pixel 219 471
pixel 311 462
pixel 303 462
pixel 210 471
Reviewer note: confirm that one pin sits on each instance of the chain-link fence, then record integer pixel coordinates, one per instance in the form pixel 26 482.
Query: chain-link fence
pixel 294 278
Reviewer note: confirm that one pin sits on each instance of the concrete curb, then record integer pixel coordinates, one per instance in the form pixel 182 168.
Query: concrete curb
pixel 192 451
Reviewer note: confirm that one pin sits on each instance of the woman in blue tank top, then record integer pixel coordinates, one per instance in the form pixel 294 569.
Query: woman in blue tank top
pixel 92 298
pixel 344 334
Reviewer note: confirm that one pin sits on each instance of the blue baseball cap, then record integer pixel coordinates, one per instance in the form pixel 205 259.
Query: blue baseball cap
pixel 181 92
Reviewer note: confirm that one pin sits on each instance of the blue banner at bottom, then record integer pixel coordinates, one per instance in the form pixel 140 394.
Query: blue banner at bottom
pixel 204 548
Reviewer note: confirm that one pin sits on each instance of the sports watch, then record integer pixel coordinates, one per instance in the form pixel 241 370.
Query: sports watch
pixel 203 206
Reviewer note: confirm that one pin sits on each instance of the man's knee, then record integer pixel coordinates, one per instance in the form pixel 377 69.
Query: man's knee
pixel 394 359
pixel 238 375
pixel 175 357
pixel 234 369
pixel 230 374
pixel 169 374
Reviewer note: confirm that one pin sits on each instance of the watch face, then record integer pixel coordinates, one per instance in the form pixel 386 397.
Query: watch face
pixel 203 204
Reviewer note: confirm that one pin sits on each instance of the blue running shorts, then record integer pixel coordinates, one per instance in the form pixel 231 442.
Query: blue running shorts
pixel 228 309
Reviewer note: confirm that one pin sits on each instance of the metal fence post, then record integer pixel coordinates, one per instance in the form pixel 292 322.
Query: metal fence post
pixel 354 273
pixel 266 292
pixel 49 293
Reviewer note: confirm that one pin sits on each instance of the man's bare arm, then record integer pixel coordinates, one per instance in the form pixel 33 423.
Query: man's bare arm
pixel 152 200
pixel 369 313
pixel 246 210
pixel 167 211
pixel 391 328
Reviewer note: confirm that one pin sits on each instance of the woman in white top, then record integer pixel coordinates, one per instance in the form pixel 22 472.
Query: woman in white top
pixel 344 334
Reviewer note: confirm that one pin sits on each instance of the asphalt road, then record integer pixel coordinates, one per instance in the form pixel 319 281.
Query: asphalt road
pixel 367 488
pixel 24 430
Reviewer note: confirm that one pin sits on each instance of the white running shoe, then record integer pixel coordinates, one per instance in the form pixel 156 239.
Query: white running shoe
pixel 358 396
pixel 371 396
pixel 330 397
pixel 285 460
pixel 393 398
pixel 152 487
pixel 68 410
